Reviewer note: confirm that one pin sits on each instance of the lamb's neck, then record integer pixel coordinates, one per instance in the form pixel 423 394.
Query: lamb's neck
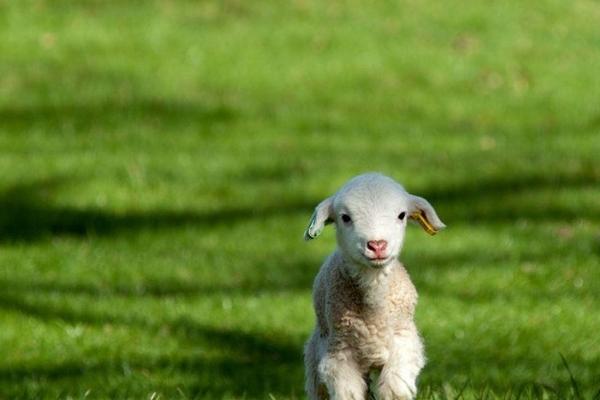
pixel 373 283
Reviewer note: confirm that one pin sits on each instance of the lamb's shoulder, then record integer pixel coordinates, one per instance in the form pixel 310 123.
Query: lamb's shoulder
pixel 321 293
pixel 402 295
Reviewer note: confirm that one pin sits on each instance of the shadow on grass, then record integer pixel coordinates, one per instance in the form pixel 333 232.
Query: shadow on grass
pixel 28 212
pixel 496 200
pixel 506 185
pixel 28 215
pixel 134 376
pixel 299 281
pixel 82 117
pixel 250 363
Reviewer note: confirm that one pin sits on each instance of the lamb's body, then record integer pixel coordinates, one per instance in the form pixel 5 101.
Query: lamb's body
pixel 364 323
pixel 364 300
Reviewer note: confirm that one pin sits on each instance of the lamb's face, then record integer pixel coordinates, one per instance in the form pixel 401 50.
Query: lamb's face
pixel 370 220
pixel 370 214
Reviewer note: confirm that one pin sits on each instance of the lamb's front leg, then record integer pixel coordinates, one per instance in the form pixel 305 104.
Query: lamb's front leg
pixel 342 376
pixel 398 379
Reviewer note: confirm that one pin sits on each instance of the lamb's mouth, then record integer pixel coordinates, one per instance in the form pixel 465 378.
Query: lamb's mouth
pixel 377 261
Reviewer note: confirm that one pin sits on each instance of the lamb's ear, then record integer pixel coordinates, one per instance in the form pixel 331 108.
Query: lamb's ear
pixel 421 211
pixel 322 216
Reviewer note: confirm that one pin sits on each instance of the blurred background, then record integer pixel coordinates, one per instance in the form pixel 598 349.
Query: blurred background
pixel 160 159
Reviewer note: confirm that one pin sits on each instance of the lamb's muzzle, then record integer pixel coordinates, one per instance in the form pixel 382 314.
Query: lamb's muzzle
pixel 378 248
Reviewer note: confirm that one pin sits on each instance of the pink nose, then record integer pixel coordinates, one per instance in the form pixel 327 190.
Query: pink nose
pixel 377 246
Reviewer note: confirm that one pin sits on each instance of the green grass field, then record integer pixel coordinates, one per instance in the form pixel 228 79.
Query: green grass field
pixel 159 161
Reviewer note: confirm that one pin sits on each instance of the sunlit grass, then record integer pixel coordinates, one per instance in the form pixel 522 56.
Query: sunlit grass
pixel 159 161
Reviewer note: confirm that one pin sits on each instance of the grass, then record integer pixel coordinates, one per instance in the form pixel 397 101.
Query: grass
pixel 160 159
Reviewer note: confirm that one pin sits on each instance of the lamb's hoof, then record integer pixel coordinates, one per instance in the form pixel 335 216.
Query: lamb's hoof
pixel 398 391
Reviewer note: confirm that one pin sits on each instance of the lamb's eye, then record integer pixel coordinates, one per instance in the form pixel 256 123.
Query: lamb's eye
pixel 346 218
pixel 401 215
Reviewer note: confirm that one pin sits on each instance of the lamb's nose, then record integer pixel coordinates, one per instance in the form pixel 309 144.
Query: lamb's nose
pixel 377 246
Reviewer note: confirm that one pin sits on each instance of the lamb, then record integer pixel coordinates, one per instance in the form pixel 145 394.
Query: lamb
pixel 363 297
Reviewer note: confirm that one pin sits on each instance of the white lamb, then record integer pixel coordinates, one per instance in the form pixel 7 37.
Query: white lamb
pixel 363 297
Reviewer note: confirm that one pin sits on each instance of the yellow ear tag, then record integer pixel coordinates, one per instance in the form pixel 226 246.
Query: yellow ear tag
pixel 421 219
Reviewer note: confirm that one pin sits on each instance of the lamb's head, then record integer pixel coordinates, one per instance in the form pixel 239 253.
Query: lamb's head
pixel 370 213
